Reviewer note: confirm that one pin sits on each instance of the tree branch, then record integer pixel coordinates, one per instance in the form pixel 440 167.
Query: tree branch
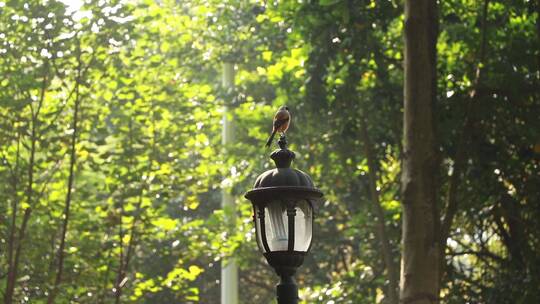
pixel 380 225
pixel 461 154
pixel 13 268
pixel 72 160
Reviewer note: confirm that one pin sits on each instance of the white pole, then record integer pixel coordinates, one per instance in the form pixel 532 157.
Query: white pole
pixel 229 270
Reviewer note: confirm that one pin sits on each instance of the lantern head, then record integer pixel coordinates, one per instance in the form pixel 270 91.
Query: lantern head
pixel 283 199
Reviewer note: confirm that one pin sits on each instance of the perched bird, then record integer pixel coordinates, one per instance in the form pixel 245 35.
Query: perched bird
pixel 282 119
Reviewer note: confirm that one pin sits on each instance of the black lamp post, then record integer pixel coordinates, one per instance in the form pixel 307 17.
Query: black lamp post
pixel 283 201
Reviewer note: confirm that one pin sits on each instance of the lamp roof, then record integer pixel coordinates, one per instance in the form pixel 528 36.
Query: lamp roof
pixel 283 181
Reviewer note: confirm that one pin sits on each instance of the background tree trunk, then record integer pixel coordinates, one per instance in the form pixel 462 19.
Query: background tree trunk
pixel 380 230
pixel 16 246
pixel 72 159
pixel 419 263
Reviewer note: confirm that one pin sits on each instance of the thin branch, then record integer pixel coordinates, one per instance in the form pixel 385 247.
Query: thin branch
pixel 133 230
pixel 82 72
pixel 485 252
pixel 14 208
pixel 13 269
pixel 73 155
pixel 121 265
pixel 101 296
pixel 478 254
pixel 459 160
pixel 380 230
pixel 55 66
pixel 43 89
pixel 6 162
pixel 380 226
pixel 49 178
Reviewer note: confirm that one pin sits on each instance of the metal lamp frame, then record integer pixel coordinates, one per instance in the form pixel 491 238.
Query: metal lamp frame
pixel 284 262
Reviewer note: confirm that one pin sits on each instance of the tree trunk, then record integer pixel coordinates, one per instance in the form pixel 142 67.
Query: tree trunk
pixel 118 284
pixel 13 228
pixel 72 160
pixel 462 145
pixel 380 229
pixel 123 268
pixel 16 246
pixel 420 258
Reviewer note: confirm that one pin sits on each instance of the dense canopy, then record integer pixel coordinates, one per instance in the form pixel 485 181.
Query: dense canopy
pixel 112 165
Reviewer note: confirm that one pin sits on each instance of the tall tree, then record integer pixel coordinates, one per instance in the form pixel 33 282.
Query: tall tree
pixel 72 160
pixel 419 263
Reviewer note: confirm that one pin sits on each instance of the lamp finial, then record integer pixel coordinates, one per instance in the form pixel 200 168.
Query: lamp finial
pixel 282 157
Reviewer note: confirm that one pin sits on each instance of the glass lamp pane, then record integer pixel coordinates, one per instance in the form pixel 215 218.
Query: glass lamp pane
pixel 275 221
pixel 303 225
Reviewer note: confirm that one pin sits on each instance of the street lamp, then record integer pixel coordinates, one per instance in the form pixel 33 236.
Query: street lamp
pixel 283 201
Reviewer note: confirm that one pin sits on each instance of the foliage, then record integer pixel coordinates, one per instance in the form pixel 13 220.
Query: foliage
pixel 145 224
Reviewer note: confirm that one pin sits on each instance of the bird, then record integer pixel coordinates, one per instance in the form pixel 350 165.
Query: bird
pixel 281 123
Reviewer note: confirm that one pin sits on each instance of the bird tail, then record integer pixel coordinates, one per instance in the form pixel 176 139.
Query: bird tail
pixel 269 142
